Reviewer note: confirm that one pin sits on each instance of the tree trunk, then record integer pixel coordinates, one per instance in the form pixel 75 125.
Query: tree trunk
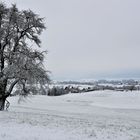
pixel 2 103
pixel 3 95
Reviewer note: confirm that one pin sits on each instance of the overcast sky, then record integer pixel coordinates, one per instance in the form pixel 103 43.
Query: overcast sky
pixel 89 38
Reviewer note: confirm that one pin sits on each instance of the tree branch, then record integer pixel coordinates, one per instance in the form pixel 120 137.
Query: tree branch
pixel 11 87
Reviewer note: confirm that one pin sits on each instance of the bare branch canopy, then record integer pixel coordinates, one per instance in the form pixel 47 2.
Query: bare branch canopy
pixel 20 65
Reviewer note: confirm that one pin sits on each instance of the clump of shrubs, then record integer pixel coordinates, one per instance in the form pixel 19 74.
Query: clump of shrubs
pixel 57 91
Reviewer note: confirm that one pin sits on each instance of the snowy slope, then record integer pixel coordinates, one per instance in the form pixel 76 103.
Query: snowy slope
pixel 100 115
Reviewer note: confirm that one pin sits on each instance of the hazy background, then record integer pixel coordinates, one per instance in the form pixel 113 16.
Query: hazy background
pixel 89 39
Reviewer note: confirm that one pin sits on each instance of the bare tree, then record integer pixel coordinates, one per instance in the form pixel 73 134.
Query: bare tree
pixel 20 64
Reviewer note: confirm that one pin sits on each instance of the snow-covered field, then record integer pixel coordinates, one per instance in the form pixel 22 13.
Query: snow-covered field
pixel 100 115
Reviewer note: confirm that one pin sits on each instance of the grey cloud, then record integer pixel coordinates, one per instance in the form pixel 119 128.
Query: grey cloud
pixel 89 37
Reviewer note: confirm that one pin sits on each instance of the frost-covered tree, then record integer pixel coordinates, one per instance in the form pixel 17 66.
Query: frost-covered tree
pixel 21 65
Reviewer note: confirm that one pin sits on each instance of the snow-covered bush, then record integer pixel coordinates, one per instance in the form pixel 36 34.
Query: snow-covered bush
pixel 57 91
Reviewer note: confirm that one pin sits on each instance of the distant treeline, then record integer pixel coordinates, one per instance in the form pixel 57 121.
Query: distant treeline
pixel 61 88
pixel 56 91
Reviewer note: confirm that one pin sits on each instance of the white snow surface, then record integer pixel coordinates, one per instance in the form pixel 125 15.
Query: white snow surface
pixel 100 115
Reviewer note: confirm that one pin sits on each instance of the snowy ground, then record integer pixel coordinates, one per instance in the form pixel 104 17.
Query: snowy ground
pixel 100 115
